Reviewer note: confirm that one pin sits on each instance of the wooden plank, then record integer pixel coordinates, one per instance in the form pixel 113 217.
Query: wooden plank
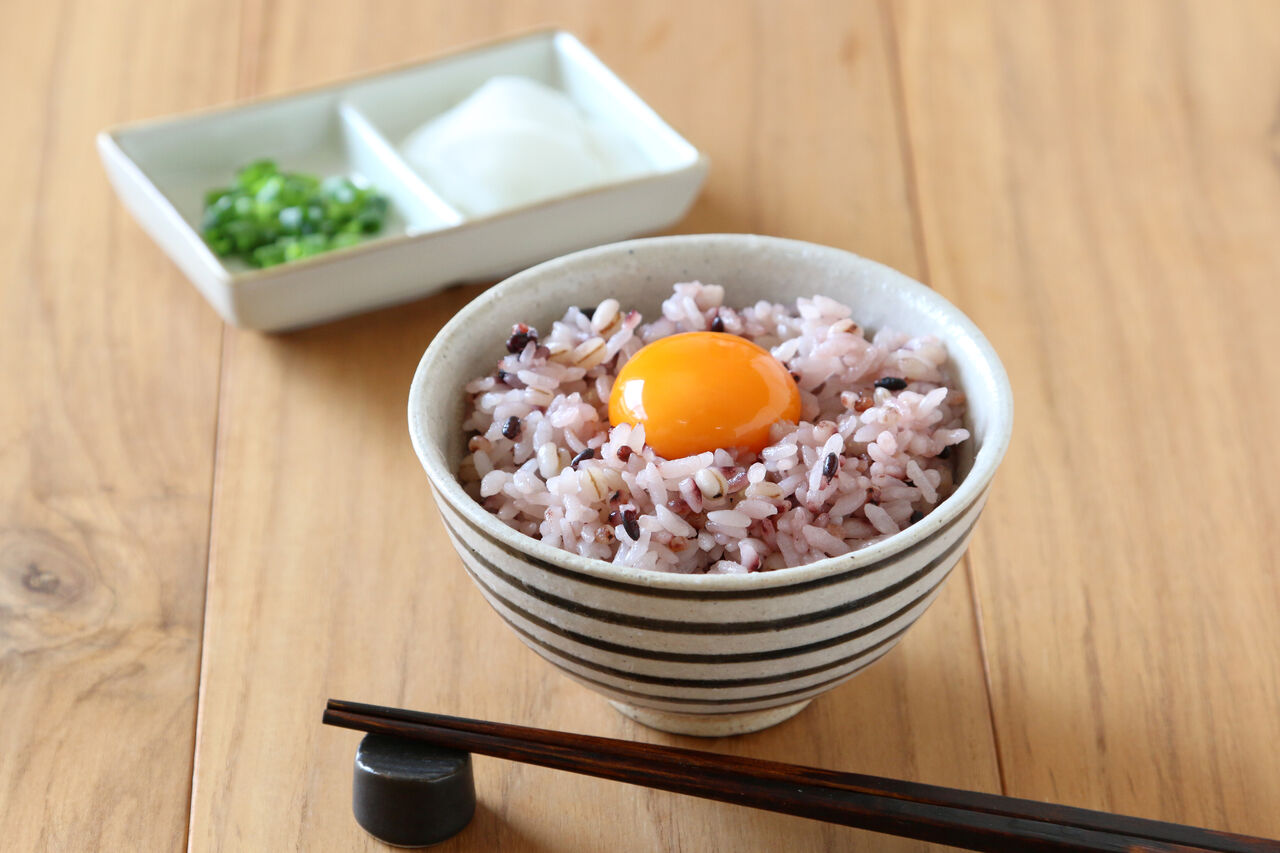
pixel 107 411
pixel 330 571
pixel 1100 191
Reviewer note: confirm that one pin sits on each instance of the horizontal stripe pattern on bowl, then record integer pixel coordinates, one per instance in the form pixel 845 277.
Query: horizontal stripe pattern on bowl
pixel 666 649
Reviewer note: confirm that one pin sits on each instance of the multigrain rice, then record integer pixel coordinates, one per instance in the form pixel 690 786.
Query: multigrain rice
pixel 870 456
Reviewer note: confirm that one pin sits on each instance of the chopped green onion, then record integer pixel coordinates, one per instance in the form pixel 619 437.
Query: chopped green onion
pixel 268 217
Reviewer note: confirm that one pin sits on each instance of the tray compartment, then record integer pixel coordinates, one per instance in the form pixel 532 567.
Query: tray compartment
pixel 309 133
pixel 398 103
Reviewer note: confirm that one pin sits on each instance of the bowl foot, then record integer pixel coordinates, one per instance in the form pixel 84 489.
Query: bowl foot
pixel 710 725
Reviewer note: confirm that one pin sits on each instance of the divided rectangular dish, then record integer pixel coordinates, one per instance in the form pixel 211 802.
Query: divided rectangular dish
pixel 161 170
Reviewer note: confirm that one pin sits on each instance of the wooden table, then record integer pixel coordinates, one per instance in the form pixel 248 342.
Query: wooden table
pixel 205 532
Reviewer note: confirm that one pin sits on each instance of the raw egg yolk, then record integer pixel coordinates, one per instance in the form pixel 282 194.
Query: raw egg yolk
pixel 698 391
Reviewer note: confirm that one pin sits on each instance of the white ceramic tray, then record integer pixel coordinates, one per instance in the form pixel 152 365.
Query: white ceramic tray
pixel 161 170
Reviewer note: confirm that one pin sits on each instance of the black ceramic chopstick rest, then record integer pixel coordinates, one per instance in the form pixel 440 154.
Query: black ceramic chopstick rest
pixel 409 793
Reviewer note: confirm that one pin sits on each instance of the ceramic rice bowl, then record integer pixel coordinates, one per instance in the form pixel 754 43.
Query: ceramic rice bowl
pixel 707 654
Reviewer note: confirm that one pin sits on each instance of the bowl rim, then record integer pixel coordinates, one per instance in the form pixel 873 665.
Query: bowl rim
pixel 446 486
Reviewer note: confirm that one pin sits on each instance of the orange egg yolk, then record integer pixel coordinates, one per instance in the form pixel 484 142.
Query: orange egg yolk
pixel 698 391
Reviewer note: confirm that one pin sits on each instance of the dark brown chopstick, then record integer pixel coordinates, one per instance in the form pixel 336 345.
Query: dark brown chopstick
pixel 968 819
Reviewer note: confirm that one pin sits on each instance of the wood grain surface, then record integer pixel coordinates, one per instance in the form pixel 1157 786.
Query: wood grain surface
pixel 1101 192
pixel 207 532
pixel 110 368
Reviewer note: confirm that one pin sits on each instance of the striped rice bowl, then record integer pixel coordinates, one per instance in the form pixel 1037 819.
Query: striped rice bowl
pixel 870 456
pixel 696 624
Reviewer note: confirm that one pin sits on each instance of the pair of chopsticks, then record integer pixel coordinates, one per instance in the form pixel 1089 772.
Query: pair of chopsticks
pixel 968 819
